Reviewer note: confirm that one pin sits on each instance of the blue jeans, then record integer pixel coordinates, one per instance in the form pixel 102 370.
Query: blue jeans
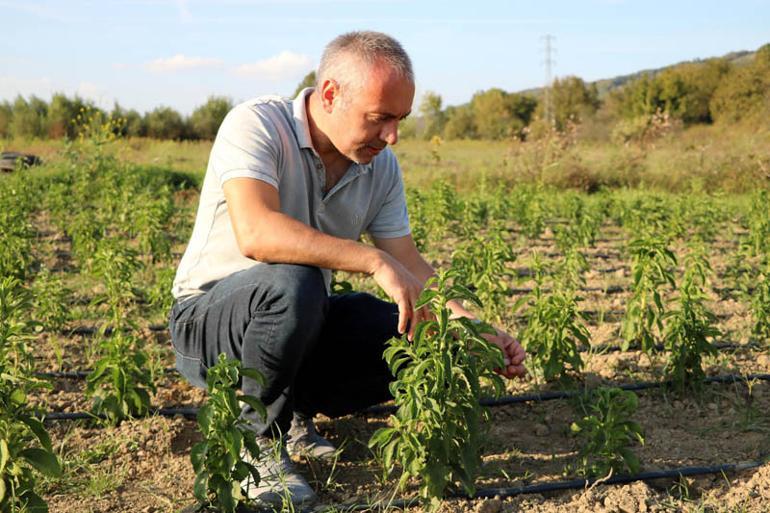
pixel 317 353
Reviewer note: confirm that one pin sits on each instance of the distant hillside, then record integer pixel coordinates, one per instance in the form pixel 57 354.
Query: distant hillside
pixel 604 86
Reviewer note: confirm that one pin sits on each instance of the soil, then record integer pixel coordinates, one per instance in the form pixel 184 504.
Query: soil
pixel 143 465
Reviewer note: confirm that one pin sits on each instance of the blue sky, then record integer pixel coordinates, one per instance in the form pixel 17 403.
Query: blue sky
pixel 146 53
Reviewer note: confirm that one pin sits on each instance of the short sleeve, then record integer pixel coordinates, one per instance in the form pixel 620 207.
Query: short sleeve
pixel 392 220
pixel 247 146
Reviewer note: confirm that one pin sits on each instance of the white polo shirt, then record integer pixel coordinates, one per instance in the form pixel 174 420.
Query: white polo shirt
pixel 268 139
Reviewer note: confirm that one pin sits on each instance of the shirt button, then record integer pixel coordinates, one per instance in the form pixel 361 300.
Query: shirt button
pixel 321 208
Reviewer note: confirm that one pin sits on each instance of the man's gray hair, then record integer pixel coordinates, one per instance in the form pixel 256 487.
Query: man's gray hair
pixel 366 46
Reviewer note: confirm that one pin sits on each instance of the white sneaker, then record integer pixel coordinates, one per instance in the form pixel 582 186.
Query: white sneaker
pixel 279 483
pixel 303 440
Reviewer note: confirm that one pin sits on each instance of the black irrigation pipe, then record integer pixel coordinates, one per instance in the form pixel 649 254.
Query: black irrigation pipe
pixel 191 412
pixel 555 486
pixel 91 330
pixel 568 394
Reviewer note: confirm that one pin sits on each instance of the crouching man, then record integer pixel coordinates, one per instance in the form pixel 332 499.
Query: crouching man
pixel 290 187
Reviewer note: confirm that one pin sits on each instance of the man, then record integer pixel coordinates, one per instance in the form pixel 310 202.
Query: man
pixel 290 187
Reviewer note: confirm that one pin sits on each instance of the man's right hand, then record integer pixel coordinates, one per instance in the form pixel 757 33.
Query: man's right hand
pixel 403 288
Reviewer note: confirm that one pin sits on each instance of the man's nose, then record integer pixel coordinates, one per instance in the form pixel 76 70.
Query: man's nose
pixel 390 132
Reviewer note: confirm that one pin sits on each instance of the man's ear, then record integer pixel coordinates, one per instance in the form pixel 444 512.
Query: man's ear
pixel 330 91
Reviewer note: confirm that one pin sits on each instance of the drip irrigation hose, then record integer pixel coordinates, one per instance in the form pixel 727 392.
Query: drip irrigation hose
pixel 191 412
pixel 567 394
pixel 574 484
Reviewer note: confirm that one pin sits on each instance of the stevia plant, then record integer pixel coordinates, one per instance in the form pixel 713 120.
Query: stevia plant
pixel 158 293
pixel 442 208
pixel 482 262
pixel 529 211
pixel 554 333
pixel 50 300
pixel 758 224
pixel 437 432
pixel 690 326
pixel 121 381
pixel 115 263
pixel 760 304
pixel 25 447
pixel 606 433
pixel 218 460
pixel 652 267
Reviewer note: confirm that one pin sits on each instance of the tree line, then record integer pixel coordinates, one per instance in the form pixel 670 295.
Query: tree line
pixel 709 91
pixel 63 116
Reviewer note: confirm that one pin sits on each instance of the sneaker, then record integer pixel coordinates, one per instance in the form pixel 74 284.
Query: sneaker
pixel 279 481
pixel 303 439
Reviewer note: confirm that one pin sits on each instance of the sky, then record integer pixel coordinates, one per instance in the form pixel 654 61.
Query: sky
pixel 150 53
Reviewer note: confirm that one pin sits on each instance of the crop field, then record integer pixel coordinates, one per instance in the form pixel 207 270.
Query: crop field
pixel 645 315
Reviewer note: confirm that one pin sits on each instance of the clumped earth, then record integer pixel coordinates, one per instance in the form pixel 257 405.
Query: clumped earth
pixel 143 465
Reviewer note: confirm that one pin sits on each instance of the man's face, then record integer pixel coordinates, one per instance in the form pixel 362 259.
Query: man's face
pixel 366 119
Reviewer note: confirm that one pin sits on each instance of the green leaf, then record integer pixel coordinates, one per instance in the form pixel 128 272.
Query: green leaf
pixel 37 427
pixel 253 374
pixel 255 405
pixel 200 487
pixel 4 457
pixel 44 461
pixel 198 455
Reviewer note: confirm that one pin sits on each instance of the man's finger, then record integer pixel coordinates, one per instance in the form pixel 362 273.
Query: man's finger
pixel 403 316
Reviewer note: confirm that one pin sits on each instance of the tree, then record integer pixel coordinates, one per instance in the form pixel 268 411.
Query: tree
pixel 498 114
pixel 460 123
pixel 62 115
pixel 205 120
pixel 6 115
pixel 308 81
pixel 744 91
pixel 130 122
pixel 165 123
pixel 572 100
pixel 433 117
pixel 29 117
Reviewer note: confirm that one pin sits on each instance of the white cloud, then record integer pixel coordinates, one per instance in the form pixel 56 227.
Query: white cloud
pixel 286 65
pixel 181 62
pixel 12 86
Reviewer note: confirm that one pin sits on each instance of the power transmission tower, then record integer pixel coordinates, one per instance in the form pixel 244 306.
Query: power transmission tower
pixel 548 61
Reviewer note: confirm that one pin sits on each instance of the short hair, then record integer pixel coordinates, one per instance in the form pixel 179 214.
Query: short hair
pixel 368 47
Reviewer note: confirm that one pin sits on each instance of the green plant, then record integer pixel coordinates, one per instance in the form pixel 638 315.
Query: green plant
pixel 606 432
pixel 115 263
pixel 529 211
pixel 651 268
pixel 25 446
pixel 436 433
pixel 690 325
pixel 121 381
pixel 760 304
pixel 50 300
pixel 158 294
pixel 482 262
pixel 442 208
pixel 217 460
pixel 555 329
pixel 582 224
pixel 758 223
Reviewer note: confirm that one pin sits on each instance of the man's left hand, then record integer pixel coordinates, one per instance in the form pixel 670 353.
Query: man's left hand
pixel 513 354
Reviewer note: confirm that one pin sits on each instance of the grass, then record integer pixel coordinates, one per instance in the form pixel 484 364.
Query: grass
pixel 701 158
